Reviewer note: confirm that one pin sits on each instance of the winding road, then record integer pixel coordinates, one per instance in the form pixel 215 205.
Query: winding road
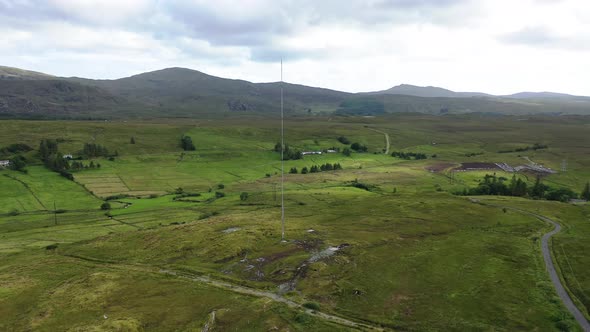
pixel 563 295
pixel 386 138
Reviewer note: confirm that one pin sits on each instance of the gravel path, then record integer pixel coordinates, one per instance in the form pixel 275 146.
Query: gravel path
pixel 563 295
pixel 386 138
pixel 359 326
pixel 275 297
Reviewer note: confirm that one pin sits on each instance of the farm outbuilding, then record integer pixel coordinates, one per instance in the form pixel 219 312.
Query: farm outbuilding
pixel 4 163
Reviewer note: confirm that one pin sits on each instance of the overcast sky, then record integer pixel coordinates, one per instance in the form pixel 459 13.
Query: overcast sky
pixel 495 46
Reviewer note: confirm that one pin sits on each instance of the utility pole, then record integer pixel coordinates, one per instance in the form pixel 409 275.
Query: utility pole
pixel 564 165
pixel 282 162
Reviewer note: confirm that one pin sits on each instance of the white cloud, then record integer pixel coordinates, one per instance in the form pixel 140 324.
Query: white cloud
pixel 495 46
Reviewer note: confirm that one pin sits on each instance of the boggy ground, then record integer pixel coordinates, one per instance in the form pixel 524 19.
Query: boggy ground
pixel 410 256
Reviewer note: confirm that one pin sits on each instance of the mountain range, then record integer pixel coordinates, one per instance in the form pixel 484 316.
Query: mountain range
pixel 180 92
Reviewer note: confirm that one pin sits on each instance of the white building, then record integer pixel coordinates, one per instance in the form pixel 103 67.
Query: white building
pixel 4 163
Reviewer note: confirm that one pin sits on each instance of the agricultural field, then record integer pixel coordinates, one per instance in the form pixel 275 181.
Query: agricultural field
pixel 191 240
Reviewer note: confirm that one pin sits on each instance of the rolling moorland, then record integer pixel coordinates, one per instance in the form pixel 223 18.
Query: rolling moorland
pixel 417 229
pixel 180 92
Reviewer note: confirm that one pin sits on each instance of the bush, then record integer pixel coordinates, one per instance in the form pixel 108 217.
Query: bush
pixel 186 142
pixel 311 305
pixel 359 147
pixel 244 196
pixel 119 196
pixel 303 318
pixel 105 206
pixel 219 194
pixel 343 140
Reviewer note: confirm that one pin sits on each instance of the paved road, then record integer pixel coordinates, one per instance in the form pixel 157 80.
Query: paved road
pixel 567 300
pixel 386 138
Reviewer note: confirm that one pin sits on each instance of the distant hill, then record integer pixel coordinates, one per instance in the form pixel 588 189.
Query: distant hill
pixel 544 95
pixel 54 98
pixel 180 92
pixel 185 90
pixel 21 74
pixel 428 92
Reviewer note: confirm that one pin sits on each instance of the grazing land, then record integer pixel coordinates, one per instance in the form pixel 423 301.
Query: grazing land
pixel 191 240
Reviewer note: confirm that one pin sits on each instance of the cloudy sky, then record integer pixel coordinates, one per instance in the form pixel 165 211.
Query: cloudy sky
pixel 495 46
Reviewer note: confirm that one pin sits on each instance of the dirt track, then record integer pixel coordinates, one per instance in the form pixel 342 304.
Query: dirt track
pixel 386 139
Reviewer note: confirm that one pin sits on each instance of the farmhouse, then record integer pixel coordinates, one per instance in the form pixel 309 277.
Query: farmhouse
pixel 4 163
pixel 311 152
pixel 68 156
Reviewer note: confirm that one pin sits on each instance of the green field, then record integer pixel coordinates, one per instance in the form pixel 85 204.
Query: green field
pixel 382 243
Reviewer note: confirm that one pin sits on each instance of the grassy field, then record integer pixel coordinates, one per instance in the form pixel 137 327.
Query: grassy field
pixel 404 254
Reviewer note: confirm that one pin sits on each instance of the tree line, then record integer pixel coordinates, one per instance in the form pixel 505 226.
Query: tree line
pixel 78 165
pixel 535 147
pixel 93 150
pixel 493 185
pixel 288 153
pixel 316 169
pixel 53 159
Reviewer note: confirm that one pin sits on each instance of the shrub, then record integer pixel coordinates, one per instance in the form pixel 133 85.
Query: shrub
pixel 311 305
pixel 358 147
pixel 105 206
pixel 343 140
pixel 243 196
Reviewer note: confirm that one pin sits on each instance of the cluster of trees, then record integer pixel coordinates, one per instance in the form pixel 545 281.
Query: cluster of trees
pixel 343 140
pixel 14 149
pixel 78 165
pixel 52 159
pixel 47 147
pixel 358 147
pixel 186 143
pixel 93 150
pixel 493 185
pixel 316 169
pixel 409 155
pixel 288 153
pixel 18 163
pixel 535 147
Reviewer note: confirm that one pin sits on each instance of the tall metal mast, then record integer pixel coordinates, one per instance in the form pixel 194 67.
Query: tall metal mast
pixel 282 162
